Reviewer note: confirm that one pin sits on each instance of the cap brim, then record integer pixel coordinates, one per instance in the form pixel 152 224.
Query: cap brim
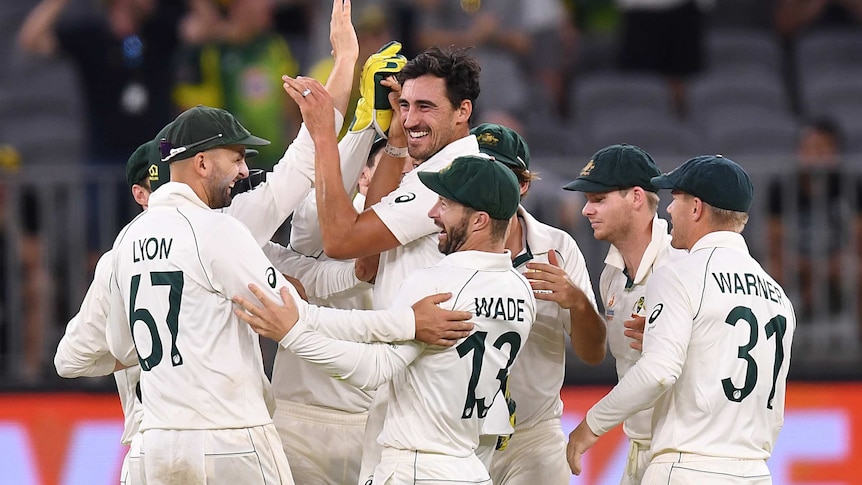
pixel 584 185
pixel 253 141
pixel 503 159
pixel 432 181
pixel 662 182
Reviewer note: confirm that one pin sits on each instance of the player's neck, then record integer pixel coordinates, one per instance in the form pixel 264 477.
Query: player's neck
pixel 633 246
pixel 515 239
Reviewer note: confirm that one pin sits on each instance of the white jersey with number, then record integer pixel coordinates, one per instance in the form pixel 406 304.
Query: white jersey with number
pixel 405 213
pixel 438 397
pixel 716 355
pixel 176 268
pixel 625 297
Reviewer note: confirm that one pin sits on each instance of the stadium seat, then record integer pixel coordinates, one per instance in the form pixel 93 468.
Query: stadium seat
pixel 602 91
pixel 720 90
pixel 828 91
pixel 742 50
pixel 668 141
pixel 752 131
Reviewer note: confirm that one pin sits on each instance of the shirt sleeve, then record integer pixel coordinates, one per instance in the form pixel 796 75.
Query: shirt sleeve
pixel 323 279
pixel 353 151
pixel 666 339
pixel 399 210
pixel 364 365
pixel 83 350
pixel 232 276
pixel 265 208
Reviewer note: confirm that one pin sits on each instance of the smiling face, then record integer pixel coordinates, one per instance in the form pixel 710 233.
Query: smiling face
pixel 227 165
pixel 453 219
pixel 609 214
pixel 430 121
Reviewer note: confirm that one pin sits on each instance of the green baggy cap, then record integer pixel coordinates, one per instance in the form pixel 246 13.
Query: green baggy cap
pixel 504 144
pixel 478 182
pixel 716 180
pixel 616 167
pixel 203 128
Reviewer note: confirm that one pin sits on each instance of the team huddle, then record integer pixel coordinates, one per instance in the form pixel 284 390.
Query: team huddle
pixel 422 327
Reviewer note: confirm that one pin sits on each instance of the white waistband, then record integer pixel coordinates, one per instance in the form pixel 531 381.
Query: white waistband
pixel 692 457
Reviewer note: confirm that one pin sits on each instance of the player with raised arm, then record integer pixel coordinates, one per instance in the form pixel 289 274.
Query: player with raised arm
pixel 716 347
pixel 622 207
pixel 439 397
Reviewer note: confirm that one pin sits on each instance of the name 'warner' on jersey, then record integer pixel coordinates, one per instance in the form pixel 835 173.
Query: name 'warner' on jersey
pixel 201 366
pixel 729 398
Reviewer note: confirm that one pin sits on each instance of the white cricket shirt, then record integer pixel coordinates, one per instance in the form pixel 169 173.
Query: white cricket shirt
pixel 623 297
pixel 716 355
pixel 537 376
pixel 405 213
pixel 438 397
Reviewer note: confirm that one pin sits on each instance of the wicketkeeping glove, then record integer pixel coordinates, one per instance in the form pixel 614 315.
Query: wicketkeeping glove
pixel 503 441
pixel 373 107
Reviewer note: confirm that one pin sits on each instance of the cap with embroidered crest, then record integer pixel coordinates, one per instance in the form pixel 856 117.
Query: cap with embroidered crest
pixel 203 128
pixel 616 167
pixel 504 144
pixel 146 162
pixel 477 182
pixel 718 181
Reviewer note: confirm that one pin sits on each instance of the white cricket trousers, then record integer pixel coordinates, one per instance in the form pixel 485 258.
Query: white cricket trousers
pixel 687 469
pixel 322 446
pixel 403 467
pixel 637 462
pixel 131 473
pixel 250 456
pixel 535 455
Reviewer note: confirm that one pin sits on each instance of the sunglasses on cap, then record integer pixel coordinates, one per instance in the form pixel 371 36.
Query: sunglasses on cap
pixel 168 151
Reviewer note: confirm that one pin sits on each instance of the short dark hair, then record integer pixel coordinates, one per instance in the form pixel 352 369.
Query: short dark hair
pixel 455 65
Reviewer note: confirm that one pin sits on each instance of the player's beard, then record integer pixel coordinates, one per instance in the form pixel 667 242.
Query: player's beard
pixel 455 237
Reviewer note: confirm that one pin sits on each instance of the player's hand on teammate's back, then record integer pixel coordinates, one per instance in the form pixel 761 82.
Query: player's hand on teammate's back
pixel 318 111
pixel 635 331
pixel 274 320
pixel 436 326
pixel 581 439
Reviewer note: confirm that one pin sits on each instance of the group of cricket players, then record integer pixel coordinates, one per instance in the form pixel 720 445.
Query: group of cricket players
pixel 422 327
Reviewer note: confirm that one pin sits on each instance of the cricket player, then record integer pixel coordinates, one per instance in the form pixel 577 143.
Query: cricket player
pixel 207 403
pixel 554 264
pixel 435 93
pixel 716 347
pixel 439 397
pixel 622 207
pixel 83 350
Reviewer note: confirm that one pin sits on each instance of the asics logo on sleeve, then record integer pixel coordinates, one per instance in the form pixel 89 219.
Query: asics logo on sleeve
pixel 655 313
pixel 270 277
pixel 405 197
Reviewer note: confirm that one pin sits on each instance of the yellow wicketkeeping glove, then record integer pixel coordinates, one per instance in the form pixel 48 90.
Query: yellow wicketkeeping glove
pixel 503 441
pixel 373 107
